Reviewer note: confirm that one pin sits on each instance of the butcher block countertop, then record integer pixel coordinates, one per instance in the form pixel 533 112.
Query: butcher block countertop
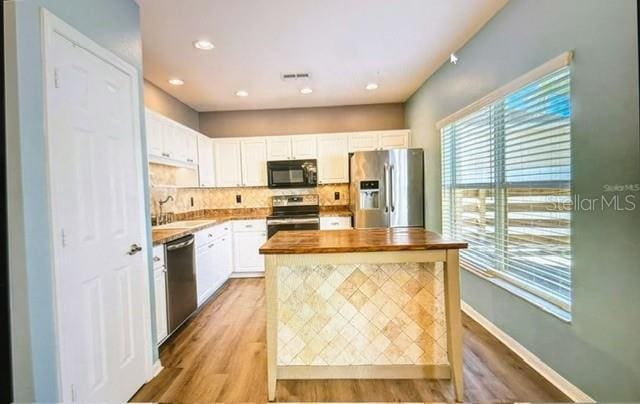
pixel 360 240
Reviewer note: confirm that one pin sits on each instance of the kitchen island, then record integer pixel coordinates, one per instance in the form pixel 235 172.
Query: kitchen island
pixel 370 303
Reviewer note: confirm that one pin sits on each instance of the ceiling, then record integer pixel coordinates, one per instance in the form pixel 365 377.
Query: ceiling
pixel 344 44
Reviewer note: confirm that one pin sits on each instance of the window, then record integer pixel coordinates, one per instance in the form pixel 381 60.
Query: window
pixel 506 185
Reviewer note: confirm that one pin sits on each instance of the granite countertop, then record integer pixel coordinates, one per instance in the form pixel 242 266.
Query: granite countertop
pixel 172 231
pixel 360 240
pixel 340 210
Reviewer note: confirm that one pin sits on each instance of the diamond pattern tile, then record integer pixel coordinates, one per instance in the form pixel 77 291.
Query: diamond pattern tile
pixel 387 314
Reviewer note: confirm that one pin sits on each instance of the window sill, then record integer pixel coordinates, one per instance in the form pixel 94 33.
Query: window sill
pixel 529 297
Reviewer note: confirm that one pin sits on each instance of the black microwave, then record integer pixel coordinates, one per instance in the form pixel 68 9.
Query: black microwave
pixel 292 174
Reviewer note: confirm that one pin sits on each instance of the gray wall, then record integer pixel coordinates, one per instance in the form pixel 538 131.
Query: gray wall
pixel 115 25
pixel 599 350
pixel 164 103
pixel 302 120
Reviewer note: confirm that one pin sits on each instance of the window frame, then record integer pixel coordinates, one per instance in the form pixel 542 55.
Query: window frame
pixel 495 101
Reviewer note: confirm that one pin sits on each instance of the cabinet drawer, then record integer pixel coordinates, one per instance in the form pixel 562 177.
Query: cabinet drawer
pixel 249 225
pixel 158 256
pixel 204 237
pixel 335 222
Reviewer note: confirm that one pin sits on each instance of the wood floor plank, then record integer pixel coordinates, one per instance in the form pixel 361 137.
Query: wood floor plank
pixel 220 356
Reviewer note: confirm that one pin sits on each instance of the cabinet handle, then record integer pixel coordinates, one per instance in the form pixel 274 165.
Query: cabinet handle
pixel 156 259
pixel 248 226
pixel 210 235
pixel 210 245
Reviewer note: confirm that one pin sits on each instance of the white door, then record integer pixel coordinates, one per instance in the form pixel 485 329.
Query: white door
pixel 364 141
pixel 254 162
pixel 246 246
pixel 191 145
pixel 97 209
pixel 333 159
pixel 227 163
pixel 304 147
pixel 396 139
pixel 278 148
pixel 205 161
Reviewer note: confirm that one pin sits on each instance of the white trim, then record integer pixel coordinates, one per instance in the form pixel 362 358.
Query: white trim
pixel 240 275
pixel 52 24
pixel 157 368
pixel 552 65
pixel 562 384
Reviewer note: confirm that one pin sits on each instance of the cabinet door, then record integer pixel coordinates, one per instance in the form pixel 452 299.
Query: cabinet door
pixel 155 134
pixel 245 251
pixel 396 139
pixel 225 256
pixel 206 169
pixel 254 162
pixel 333 159
pixel 278 148
pixel 228 167
pixel 363 141
pixel 205 275
pixel 190 145
pixel 160 283
pixel 304 147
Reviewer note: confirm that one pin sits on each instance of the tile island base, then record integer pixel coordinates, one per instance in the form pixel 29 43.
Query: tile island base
pixel 363 314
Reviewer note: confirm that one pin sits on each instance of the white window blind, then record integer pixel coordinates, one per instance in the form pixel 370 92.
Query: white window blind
pixel 506 181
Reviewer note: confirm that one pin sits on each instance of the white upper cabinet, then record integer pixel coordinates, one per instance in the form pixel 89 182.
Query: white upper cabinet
pixel 278 148
pixel 364 141
pixel 206 168
pixel 298 147
pixel 155 134
pixel 228 166
pixel 169 141
pixel 333 159
pixel 254 162
pixel 394 139
pixel 304 147
pixel 382 140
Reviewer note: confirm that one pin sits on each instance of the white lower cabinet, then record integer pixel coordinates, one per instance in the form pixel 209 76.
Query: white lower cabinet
pixel 335 222
pixel 160 288
pixel 213 260
pixel 248 237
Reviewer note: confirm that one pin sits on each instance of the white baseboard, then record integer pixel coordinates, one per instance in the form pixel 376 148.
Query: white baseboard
pixel 157 368
pixel 236 275
pixel 562 384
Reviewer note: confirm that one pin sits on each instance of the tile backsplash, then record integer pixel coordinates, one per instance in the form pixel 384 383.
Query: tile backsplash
pixel 188 199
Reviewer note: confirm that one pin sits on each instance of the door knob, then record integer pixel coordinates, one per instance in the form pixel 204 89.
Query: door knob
pixel 134 249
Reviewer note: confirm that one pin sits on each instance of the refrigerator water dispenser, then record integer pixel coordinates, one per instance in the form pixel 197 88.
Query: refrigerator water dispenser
pixel 369 195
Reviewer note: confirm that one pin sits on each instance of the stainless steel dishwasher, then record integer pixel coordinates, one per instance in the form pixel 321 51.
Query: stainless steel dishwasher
pixel 182 297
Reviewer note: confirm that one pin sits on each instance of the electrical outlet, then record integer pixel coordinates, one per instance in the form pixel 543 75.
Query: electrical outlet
pixel 336 196
pixel 238 198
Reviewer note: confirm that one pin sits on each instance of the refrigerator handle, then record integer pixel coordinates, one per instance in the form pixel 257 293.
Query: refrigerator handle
pixel 386 188
pixel 393 206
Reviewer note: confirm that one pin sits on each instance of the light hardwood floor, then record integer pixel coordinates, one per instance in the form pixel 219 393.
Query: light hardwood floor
pixel 220 355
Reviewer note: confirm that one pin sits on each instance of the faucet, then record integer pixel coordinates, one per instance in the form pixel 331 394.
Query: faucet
pixel 164 218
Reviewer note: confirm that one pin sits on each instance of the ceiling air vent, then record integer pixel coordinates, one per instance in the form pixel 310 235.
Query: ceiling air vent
pixel 295 76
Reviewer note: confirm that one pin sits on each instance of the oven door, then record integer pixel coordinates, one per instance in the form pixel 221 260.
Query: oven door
pixel 275 225
pixel 291 174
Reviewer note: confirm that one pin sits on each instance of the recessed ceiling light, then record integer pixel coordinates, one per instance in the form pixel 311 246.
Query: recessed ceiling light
pixel 371 86
pixel 242 93
pixel 176 82
pixel 306 90
pixel 203 44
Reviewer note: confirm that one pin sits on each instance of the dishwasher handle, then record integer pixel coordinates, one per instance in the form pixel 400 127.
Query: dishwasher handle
pixel 178 244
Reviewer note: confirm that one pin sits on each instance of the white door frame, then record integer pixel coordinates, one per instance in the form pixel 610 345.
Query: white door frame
pixel 51 24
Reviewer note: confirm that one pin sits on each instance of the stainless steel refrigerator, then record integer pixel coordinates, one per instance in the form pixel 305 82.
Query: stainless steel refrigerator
pixel 387 188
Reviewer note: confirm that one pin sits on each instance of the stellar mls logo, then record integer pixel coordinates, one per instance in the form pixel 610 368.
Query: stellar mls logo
pixel 615 197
